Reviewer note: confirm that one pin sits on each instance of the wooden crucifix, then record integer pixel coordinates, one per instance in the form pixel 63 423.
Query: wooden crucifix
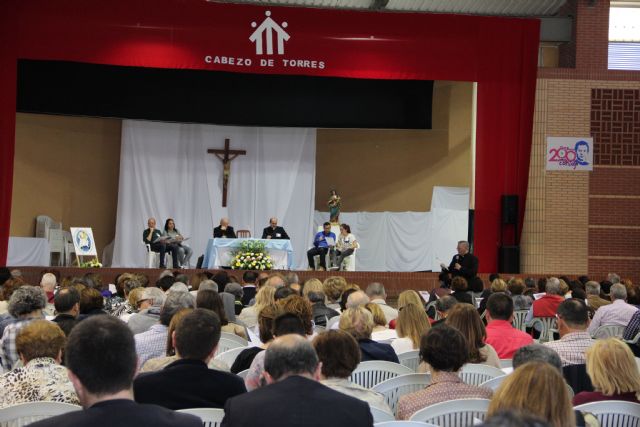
pixel 226 156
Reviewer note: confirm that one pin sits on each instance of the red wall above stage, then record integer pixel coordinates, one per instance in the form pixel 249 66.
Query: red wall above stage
pixel 500 54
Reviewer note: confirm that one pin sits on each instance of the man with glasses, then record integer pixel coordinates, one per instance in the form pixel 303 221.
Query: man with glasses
pixel 273 231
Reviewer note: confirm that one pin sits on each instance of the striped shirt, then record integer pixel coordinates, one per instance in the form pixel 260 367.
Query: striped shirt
pixel 572 347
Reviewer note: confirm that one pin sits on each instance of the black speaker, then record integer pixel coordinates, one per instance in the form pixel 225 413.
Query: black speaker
pixel 509 259
pixel 509 209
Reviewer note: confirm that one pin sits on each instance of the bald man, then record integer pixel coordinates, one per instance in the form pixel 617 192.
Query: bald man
pixel 273 231
pixel 224 230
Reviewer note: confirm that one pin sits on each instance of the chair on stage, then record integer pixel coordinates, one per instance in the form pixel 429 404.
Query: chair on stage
pixel 153 258
pixel 243 234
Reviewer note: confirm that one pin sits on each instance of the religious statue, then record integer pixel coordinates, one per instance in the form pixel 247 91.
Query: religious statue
pixel 226 156
pixel 334 207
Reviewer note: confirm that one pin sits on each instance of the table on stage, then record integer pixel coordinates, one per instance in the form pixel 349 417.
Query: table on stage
pixel 32 251
pixel 218 252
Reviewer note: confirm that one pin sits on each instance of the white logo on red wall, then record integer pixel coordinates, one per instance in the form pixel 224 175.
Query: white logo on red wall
pixel 269 39
pixel 265 34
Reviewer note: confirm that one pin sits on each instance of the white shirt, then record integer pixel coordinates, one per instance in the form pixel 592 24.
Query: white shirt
pixel 616 313
pixel 402 345
pixel 346 242
pixel 387 334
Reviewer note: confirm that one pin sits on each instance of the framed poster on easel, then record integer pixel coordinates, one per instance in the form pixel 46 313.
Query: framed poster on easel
pixel 84 244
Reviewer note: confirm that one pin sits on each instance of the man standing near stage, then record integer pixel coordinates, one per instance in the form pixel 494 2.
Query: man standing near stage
pixel 463 264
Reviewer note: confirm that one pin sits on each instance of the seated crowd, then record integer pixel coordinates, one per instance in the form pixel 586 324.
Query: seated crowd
pixel 136 355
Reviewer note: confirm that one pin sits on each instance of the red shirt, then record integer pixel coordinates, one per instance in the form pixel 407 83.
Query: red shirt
pixel 506 339
pixel 547 306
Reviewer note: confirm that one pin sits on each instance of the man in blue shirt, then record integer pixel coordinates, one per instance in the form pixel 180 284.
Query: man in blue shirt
pixel 321 246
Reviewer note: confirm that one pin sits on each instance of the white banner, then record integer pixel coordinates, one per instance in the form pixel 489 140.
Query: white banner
pixel 569 154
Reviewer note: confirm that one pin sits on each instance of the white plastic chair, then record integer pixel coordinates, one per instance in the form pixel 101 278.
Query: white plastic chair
pixel 476 374
pixel 243 374
pixel 57 245
pixel 548 325
pixel 404 424
pixel 410 359
pixel 226 344
pixel 613 413
pixel 380 415
pixel 349 263
pixel 373 372
pixel 229 356
pixel 493 383
pixel 453 413
pixel 519 317
pixel 153 258
pixel 606 331
pixel 234 337
pixel 27 413
pixel 332 321
pixel 431 305
pixel 211 417
pixel 398 386
pixel 506 363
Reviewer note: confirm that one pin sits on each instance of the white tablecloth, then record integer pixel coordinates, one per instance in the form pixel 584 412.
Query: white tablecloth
pixel 219 252
pixel 28 251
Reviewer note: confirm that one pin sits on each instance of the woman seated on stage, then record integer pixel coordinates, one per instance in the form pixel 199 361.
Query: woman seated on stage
pixel 345 246
pixel 184 251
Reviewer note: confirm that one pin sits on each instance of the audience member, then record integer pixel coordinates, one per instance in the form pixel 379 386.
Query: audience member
pixel 211 300
pixel 312 285
pixel 235 289
pixel 284 324
pixel 40 345
pixel 345 297
pixel 445 350
pixel 264 297
pixel 358 322
pixel 357 299
pixel 25 306
pixel 67 304
pixel 513 418
pixel 380 330
pixel 266 325
pixel 377 295
pixel 292 369
pixel 516 288
pixel 528 389
pixel 9 286
pixel 249 290
pixel 465 318
pixel 536 353
pixel 275 280
pixel 594 302
pixel 573 320
pixel 633 328
pixel 340 355
pixel 613 373
pixel 411 324
pixel 160 362
pixel 547 305
pixel 459 286
pixel 153 343
pixel 283 292
pixel 497 285
pixel 208 285
pixel 91 303
pixel 443 306
pixel 125 284
pixel 616 313
pixel 165 282
pixel 407 297
pixel 321 313
pixel 501 334
pixel 102 362
pixel 188 382
pixel 48 283
pixel 334 286
pixel 149 306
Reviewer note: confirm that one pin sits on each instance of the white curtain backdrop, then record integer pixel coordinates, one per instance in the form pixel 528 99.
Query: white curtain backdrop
pixel 165 171
pixel 409 241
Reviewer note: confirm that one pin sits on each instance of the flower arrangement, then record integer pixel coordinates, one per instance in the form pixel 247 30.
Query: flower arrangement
pixel 251 255
pixel 93 263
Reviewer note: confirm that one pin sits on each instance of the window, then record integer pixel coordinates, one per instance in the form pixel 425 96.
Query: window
pixel 624 36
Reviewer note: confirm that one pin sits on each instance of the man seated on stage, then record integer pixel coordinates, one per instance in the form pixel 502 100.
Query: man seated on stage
pixel 321 246
pixel 224 230
pixel 151 235
pixel 463 264
pixel 273 231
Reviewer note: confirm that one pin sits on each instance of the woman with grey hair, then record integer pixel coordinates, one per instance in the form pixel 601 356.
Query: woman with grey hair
pixel 25 305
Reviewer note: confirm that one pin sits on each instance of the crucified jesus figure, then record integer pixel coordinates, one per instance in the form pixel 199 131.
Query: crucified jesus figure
pixel 226 156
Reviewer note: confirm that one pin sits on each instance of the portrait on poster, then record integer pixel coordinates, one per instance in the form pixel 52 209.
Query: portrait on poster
pixel 569 153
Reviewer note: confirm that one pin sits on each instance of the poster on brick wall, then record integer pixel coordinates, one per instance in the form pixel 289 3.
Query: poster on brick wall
pixel 569 153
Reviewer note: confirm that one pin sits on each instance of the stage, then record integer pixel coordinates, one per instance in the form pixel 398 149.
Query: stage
pixel 394 283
